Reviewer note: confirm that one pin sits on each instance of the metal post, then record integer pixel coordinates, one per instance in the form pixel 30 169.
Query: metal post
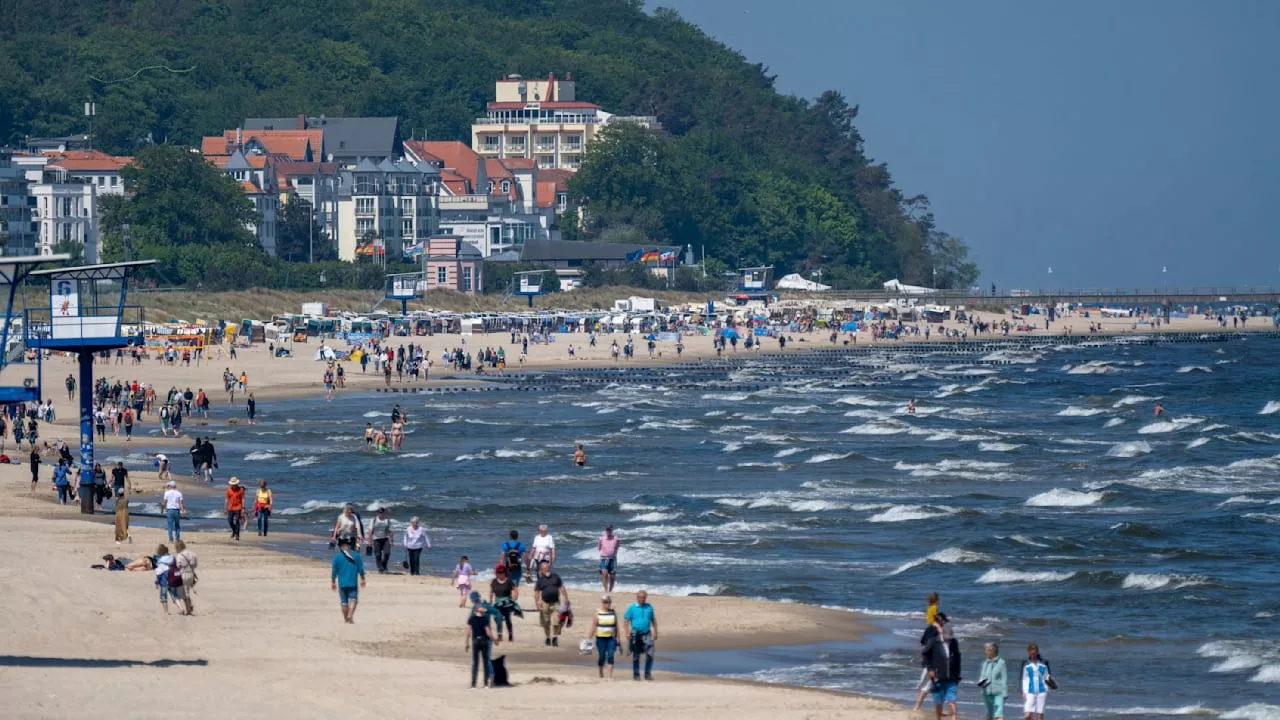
pixel 86 433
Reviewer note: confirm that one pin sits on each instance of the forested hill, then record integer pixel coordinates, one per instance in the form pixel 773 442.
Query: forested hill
pixel 753 175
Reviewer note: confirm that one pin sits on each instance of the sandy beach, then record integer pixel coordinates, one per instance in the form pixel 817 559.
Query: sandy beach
pixel 267 639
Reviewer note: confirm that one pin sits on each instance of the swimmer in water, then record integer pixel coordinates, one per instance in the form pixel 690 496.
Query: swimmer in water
pixel 580 456
pixel 911 406
pixel 380 440
pixel 1159 410
pixel 368 436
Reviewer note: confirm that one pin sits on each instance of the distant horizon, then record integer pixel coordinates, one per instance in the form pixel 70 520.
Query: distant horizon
pixel 1107 141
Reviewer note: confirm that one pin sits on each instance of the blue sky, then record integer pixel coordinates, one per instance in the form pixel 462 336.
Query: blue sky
pixel 1106 140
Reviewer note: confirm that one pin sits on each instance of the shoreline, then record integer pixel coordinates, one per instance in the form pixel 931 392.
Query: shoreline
pixel 279 606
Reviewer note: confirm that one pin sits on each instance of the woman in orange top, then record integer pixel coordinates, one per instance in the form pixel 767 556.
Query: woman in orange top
pixel 235 506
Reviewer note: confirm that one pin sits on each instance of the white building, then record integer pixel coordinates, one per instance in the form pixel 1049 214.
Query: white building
pixel 386 209
pixel 258 180
pixel 66 210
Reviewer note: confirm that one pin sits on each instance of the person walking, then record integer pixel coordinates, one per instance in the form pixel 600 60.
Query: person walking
pixel 608 547
pixel 174 509
pixel 642 634
pixel 35 462
pixel 187 564
pixel 503 596
pixel 380 533
pixel 346 570
pixel 1037 681
pixel 513 554
pixel 234 506
pixel 415 539
pixel 478 638
pixel 119 479
pixel 549 590
pixel 943 654
pixel 62 481
pixel 169 586
pixel 604 629
pixel 122 514
pixel 994 682
pixel 349 527
pixel 544 548
pixel 262 506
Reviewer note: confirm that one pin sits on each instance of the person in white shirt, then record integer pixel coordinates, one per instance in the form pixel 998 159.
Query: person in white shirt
pixel 173 511
pixel 544 548
pixel 162 466
pixel 415 538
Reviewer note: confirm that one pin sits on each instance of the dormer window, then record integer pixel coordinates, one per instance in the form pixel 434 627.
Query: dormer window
pixel 490 187
pixel 506 187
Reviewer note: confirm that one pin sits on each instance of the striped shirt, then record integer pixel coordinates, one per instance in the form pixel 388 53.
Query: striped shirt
pixel 1034 673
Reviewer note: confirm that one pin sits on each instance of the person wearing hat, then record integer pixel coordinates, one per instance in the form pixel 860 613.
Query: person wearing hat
pixel 504 591
pixel 235 506
pixel 174 509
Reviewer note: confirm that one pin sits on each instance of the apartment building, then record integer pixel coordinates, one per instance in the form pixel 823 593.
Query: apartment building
pixel 386 208
pixel 65 210
pixel 93 167
pixel 17 231
pixel 542 120
pixel 257 177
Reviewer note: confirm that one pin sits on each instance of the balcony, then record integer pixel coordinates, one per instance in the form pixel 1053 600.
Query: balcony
pixel 365 189
pixel 493 148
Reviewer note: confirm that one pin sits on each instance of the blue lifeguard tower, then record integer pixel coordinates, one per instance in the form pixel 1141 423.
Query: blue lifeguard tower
pixel 14 271
pixel 403 287
pixel 86 315
pixel 529 284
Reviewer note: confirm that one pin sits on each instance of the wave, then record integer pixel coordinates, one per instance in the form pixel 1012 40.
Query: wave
pixel 655 517
pixel 795 409
pixel 1129 449
pixel 1270 408
pixel 311 506
pixel 1000 576
pixel 998 446
pixel 1128 400
pixel 1198 442
pixel 1147 581
pixel 416 455
pixel 1059 497
pixel 1253 711
pixel 1076 411
pixel 1113 422
pixel 1092 367
pixel 262 455
pixel 907 513
pixel 730 447
pixel 947 556
pixel 788 452
pixel 731 397
pixel 636 507
pixel 863 400
pixel 828 457
pixel 1174 425
pixel 1193 368
pixel 1261 656
pixel 886 427
pixel 376 413
pixel 304 462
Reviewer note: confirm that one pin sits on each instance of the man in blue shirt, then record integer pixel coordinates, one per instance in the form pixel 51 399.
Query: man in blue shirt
pixel 62 482
pixel 642 629
pixel 348 567
pixel 513 554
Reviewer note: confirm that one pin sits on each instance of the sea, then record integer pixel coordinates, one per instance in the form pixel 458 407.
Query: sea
pixel 1034 488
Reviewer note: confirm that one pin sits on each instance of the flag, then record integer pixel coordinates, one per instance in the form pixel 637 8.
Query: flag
pixel 634 256
pixel 667 256
pixel 650 256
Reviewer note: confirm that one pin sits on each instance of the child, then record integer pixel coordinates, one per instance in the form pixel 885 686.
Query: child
pixel 462 580
pixel 564 616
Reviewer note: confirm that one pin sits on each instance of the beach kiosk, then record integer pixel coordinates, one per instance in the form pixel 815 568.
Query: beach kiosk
pixel 86 315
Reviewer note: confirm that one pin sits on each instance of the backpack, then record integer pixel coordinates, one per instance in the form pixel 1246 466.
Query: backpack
pixel 513 556
pixel 174 575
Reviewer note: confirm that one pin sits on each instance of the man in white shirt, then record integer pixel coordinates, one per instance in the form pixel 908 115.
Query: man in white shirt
pixel 173 511
pixel 544 548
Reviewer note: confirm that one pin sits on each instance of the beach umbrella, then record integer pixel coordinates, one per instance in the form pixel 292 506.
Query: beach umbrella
pixel 730 333
pixel 851 325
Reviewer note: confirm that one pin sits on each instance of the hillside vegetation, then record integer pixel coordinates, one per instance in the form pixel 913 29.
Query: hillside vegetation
pixel 752 175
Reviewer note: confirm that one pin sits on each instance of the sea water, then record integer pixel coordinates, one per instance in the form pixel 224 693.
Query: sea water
pixel 1033 488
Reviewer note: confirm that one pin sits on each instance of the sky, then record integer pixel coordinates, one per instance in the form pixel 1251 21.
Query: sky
pixel 1122 143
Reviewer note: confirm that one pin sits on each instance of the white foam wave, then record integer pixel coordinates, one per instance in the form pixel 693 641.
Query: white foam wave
pixel 1150 581
pixel 996 576
pixel 1076 411
pixel 1253 711
pixel 730 447
pixel 510 453
pixel 1128 400
pixel 828 457
pixel 1113 422
pixel 877 428
pixel 1270 408
pixel 863 401
pixel 655 517
pixel 311 506
pixel 795 409
pixel 1193 368
pixel 635 507
pixel 1198 442
pixel 907 513
pixel 998 446
pixel 305 461
pixel 1059 497
pixel 1174 425
pixel 731 397
pixel 376 413
pixel 1092 367
pixel 946 556
pixel 1129 449
pixel 788 452
pixel 262 455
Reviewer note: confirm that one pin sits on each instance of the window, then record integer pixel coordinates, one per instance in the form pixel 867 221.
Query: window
pixel 517 141
pixel 66 208
pixel 495 235
pixel 573 141
pixel 113 180
pixel 506 187
pixel 546 161
pixel 490 187
pixel 466 279
pixel 562 200
pixel 442 276
pixel 66 231
pixel 364 206
pixel 364 226
pixel 546 142
pixel 406 228
pixel 491 142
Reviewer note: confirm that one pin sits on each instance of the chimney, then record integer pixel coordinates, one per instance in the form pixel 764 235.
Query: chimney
pixel 302 121
pixel 239 139
pixel 551 87
pixel 482 178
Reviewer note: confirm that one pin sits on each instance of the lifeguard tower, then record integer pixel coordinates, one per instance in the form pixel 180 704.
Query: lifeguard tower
pixel 404 287
pixel 14 271
pixel 529 284
pixel 86 315
pixel 754 283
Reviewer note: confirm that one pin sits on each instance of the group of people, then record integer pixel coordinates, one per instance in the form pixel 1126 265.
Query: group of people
pixel 941 674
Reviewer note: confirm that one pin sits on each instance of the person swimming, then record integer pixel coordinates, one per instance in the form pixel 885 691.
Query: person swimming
pixel 911 406
pixel 1159 410
pixel 580 456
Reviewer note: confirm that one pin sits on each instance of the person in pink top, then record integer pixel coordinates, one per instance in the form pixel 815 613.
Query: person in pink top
pixel 608 546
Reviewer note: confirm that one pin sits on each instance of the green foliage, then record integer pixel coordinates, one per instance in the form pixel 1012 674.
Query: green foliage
pixel 299 238
pixel 70 247
pixel 755 176
pixel 499 277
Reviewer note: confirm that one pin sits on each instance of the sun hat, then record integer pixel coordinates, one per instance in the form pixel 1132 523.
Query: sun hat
pixel 173 483
pixel 233 481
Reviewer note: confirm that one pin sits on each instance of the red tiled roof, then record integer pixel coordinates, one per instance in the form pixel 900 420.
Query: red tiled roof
pixel 88 160
pixel 518 163
pixel 418 148
pixel 250 188
pixel 292 143
pixel 293 168
pixel 546 193
pixel 214 145
pixel 558 176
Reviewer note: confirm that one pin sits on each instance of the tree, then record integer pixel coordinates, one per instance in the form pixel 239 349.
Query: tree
pixel 299 238
pixel 72 248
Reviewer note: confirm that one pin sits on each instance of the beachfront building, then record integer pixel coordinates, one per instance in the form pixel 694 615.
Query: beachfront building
pixel 542 120
pixel 17 231
pixel 93 167
pixel 386 209
pixel 257 177
pixel 496 205
pixel 65 210
pixel 451 263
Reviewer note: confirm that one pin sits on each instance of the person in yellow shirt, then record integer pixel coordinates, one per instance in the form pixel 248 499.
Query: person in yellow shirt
pixel 931 611
pixel 262 507
pixel 604 628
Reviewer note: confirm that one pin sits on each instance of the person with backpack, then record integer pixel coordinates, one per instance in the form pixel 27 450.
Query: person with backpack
pixel 513 554
pixel 168 577
pixel 347 568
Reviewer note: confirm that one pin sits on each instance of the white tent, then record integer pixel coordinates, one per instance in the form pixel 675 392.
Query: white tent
pixel 896 286
pixel 795 282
